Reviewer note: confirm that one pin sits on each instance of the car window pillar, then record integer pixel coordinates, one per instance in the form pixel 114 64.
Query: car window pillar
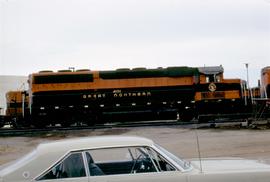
pixel 86 164
pixel 152 160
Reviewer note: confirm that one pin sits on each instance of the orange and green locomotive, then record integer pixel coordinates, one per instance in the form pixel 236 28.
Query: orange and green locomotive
pixel 92 97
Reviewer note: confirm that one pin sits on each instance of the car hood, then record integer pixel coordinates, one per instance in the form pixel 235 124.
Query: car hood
pixel 230 165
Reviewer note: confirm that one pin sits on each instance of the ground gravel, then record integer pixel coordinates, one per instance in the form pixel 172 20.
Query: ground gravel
pixel 244 143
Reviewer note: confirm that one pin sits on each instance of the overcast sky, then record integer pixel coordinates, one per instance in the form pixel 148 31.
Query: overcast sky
pixel 108 34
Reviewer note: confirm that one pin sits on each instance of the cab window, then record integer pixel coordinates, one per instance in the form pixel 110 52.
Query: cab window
pixel 212 78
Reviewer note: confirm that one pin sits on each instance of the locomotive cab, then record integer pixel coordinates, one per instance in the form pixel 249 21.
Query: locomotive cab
pixel 216 96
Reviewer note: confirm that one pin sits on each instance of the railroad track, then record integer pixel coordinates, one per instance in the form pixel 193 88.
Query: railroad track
pixel 190 125
pixel 35 131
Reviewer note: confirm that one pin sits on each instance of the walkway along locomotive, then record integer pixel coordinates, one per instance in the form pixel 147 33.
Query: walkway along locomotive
pixel 67 97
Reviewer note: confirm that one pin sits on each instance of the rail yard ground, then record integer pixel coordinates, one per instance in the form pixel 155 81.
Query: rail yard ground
pixel 233 142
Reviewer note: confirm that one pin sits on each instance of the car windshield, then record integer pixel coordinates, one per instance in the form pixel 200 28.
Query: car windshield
pixel 18 163
pixel 184 164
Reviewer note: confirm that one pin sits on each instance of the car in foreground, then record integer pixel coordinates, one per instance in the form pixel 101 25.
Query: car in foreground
pixel 124 158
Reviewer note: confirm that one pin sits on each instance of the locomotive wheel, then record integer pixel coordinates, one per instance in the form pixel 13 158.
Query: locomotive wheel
pixel 92 120
pixel 65 124
pixel 187 115
pixel 39 124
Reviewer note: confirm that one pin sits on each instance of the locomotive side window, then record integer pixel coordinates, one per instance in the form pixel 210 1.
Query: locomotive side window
pixel 218 79
pixel 207 79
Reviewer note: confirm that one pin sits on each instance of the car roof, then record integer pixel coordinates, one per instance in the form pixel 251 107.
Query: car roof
pixel 76 144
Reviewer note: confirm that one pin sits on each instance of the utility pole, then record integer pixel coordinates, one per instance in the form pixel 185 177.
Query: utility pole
pixel 249 89
pixel 246 64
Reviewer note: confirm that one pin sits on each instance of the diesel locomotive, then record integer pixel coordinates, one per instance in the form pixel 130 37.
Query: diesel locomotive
pixel 265 82
pixel 93 97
